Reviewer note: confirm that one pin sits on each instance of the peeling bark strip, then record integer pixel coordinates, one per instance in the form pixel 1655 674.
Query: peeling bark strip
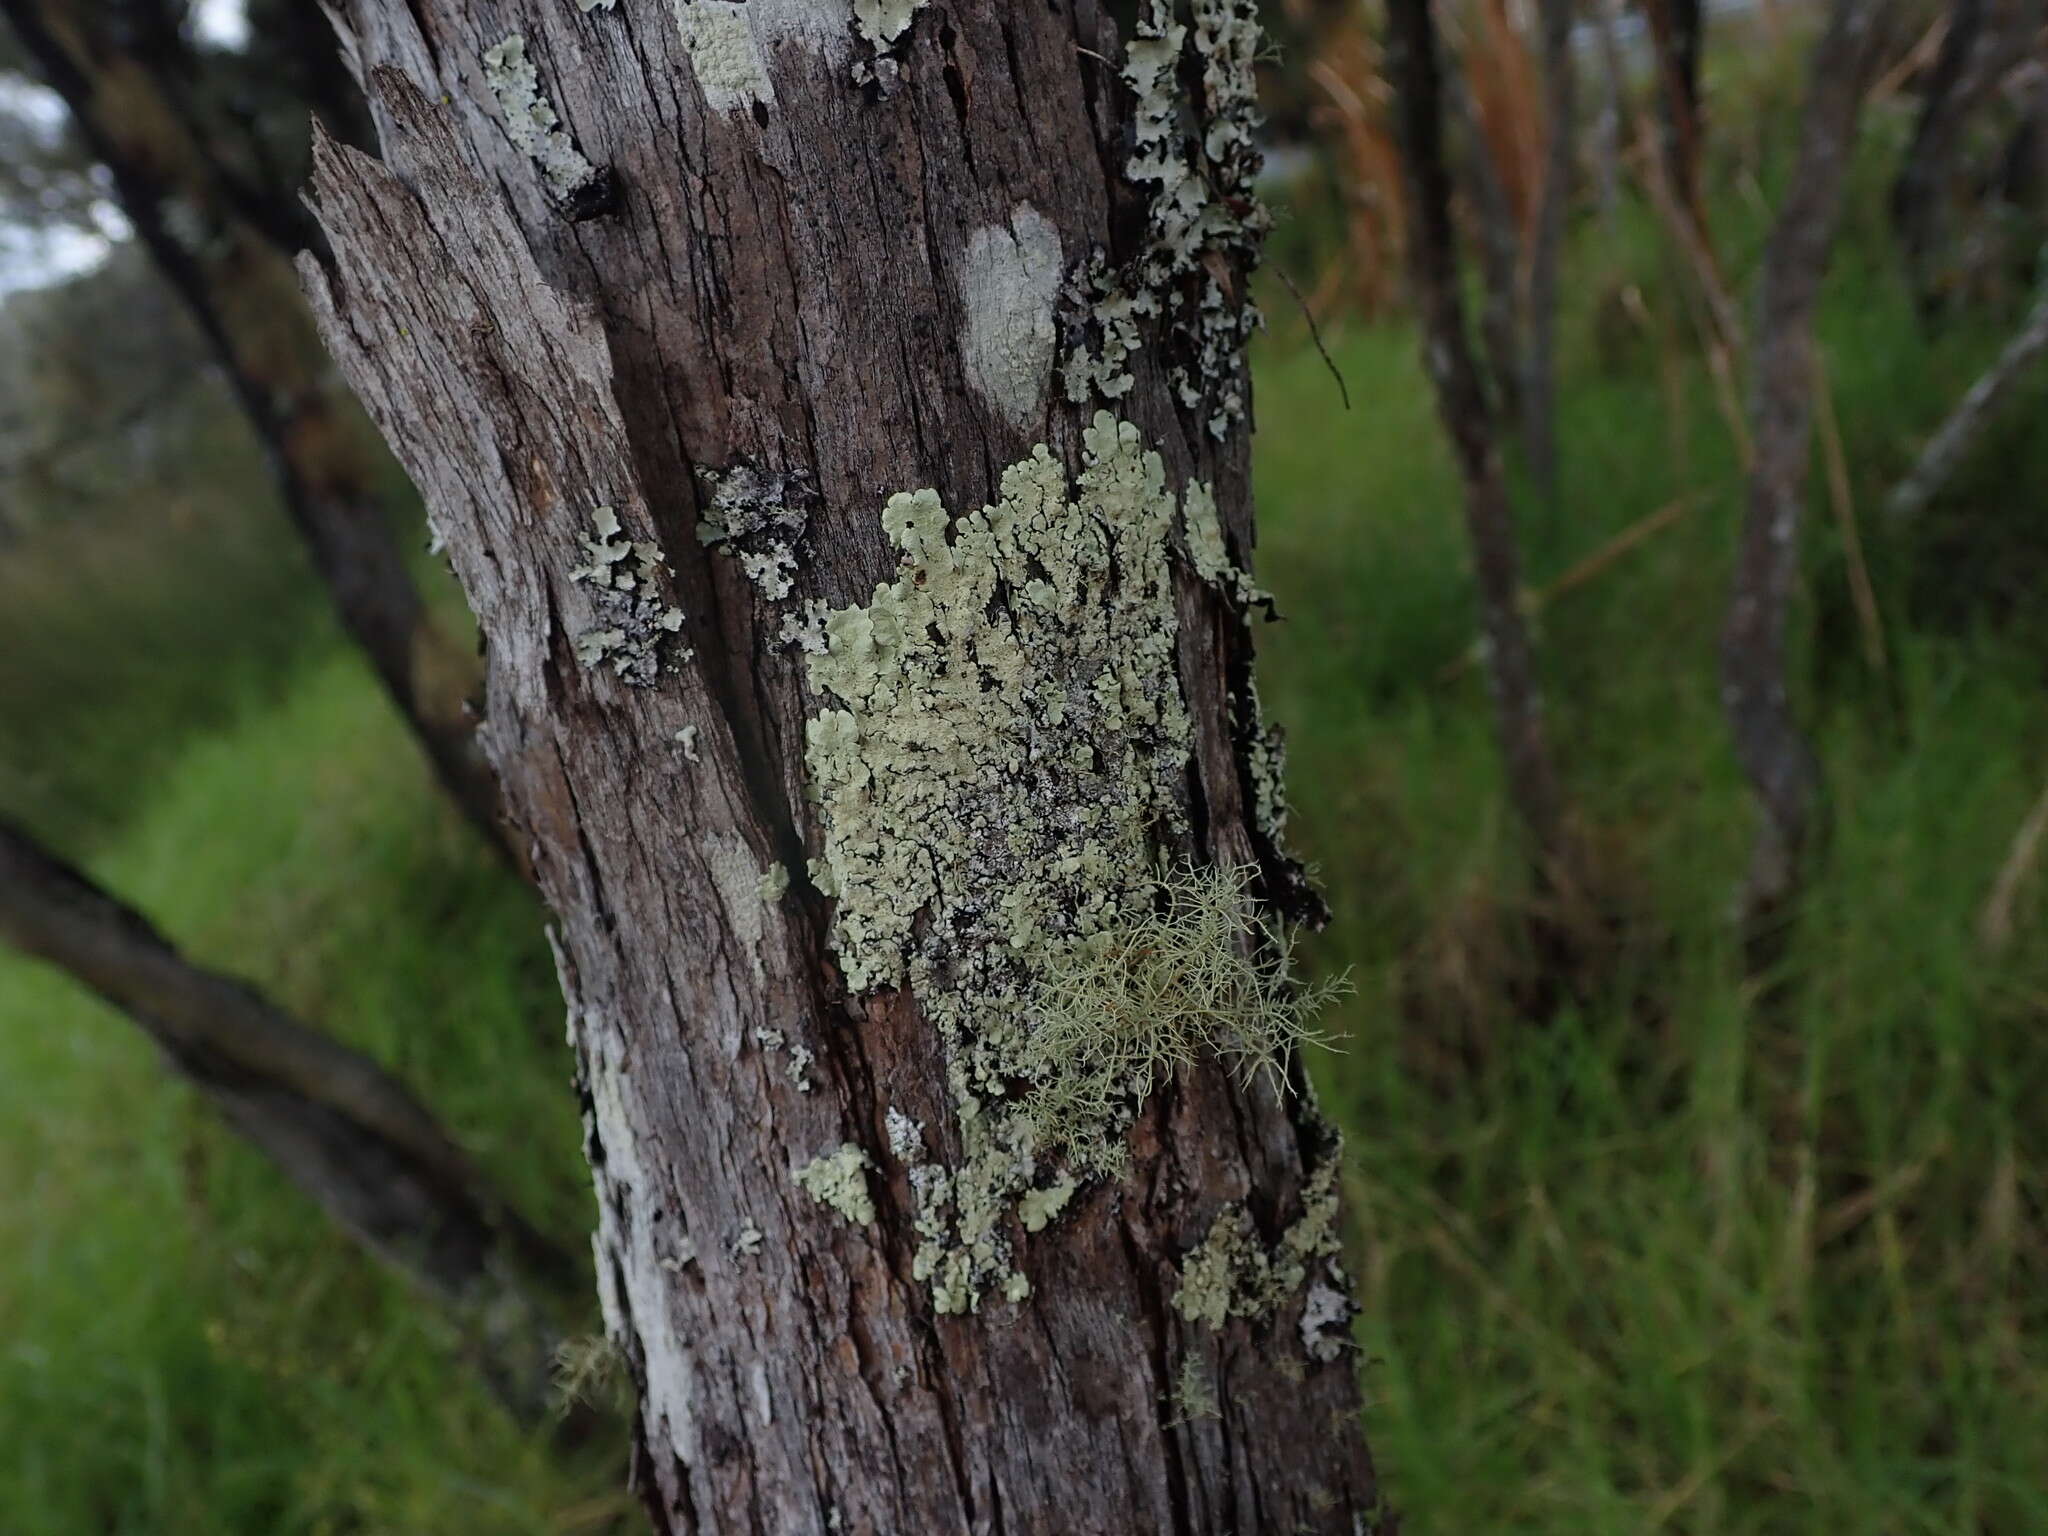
pixel 1769 743
pixel 334 1122
pixel 958 659
pixel 220 246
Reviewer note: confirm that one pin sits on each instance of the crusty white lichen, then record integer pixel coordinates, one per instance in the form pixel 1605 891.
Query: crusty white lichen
pixel 724 54
pixel 635 626
pixel 839 1179
pixel 1009 282
pixel 686 738
pixel 757 517
pixel 532 122
pixel 1231 1273
pixel 1197 161
pixel 883 21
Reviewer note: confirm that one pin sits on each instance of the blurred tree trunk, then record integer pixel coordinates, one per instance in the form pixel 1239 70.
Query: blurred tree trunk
pixel 1678 40
pixel 692 322
pixel 1414 67
pixel 1769 742
pixel 222 238
pixel 1500 251
pixel 1984 41
pixel 1539 388
pixel 340 1128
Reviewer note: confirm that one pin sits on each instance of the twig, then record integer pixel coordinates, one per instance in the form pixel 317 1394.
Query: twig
pixel 1994 925
pixel 1584 570
pixel 1862 594
pixel 1315 334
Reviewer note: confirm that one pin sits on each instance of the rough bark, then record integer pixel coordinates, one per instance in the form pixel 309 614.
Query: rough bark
pixel 1539 388
pixel 338 1126
pixel 1984 40
pixel 799 273
pixel 222 240
pixel 1773 750
pixel 1958 434
pixel 1413 66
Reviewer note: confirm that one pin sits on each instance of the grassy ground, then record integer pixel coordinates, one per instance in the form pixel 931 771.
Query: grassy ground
pixel 1674 1256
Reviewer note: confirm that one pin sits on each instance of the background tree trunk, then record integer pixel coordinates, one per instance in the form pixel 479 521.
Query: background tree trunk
pixel 334 1122
pixel 1769 742
pixel 1414 67
pixel 1539 390
pixel 222 238
pixel 685 294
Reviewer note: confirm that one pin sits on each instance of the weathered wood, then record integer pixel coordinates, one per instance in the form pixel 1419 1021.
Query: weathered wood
pixel 223 240
pixel 343 1130
pixel 1772 748
pixel 762 267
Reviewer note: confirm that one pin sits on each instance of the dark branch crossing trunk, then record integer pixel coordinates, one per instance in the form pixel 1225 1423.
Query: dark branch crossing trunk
pixel 223 241
pixel 337 1125
pixel 706 328
pixel 1772 748
pixel 1415 69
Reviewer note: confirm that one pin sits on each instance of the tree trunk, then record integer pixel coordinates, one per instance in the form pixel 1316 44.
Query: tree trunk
pixel 223 244
pixel 1500 251
pixel 1539 389
pixel 705 328
pixel 1984 41
pixel 1769 743
pixel 1414 68
pixel 1677 38
pixel 335 1124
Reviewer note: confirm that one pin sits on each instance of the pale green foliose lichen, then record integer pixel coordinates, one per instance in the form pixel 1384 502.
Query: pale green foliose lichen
pixel 883 21
pixel 531 120
pixel 1192 1396
pixel 1231 1273
pixel 756 516
pixel 774 882
pixel 1203 216
pixel 1006 735
pixel 839 1179
pixel 1209 553
pixel 635 625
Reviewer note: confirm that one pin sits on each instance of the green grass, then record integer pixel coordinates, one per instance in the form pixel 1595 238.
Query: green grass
pixel 1677 1256
pixel 188 1345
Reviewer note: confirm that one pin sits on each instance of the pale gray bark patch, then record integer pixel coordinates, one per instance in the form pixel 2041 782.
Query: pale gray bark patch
pixel 1009 283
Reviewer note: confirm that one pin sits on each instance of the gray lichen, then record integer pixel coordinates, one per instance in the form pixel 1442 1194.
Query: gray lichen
pixel 1197 161
pixel 880 25
pixel 636 626
pixel 534 126
pixel 757 517
pixel 839 1179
